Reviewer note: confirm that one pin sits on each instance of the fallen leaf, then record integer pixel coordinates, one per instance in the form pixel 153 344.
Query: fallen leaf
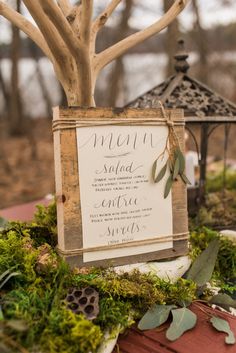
pixel 183 320
pixel 155 317
pixel 222 325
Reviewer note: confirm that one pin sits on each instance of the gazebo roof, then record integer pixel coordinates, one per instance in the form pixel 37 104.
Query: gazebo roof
pixel 200 103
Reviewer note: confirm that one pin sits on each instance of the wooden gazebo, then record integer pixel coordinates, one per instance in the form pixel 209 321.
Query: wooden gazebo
pixel 202 106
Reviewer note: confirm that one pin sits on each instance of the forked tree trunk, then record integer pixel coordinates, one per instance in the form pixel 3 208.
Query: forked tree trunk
pixel 67 35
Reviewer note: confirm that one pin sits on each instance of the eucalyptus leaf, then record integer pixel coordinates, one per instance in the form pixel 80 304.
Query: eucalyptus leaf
pixel 176 168
pixel 184 303
pixel 223 326
pixel 170 165
pixel 223 300
pixel 183 320
pixel 203 267
pixel 168 186
pixel 155 317
pixel 181 161
pixel 185 179
pixel 154 167
pixel 161 175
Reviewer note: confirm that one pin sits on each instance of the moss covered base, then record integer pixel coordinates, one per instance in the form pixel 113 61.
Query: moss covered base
pixel 35 282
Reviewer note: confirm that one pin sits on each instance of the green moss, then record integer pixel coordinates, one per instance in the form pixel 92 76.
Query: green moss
pixel 17 253
pixel 47 217
pixel 32 306
pixel 113 313
pixel 70 333
pixel 44 227
pixel 141 290
pixel 37 295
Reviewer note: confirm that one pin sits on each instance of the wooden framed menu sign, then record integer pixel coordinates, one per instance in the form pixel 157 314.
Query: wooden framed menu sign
pixel 110 211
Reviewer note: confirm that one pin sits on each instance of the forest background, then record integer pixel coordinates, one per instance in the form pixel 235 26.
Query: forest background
pixel 29 89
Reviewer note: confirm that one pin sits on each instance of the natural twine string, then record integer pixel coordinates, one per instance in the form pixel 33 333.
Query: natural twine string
pixel 172 141
pixel 70 124
pixel 135 243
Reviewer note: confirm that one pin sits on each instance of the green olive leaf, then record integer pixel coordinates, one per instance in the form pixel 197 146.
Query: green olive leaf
pixel 170 165
pixel 154 167
pixel 155 317
pixel 222 325
pixel 161 175
pixel 176 168
pixel 183 320
pixel 203 267
pixel 185 179
pixel 181 161
pixel 168 186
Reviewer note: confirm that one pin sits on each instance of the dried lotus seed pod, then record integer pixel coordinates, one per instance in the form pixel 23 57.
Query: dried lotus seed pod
pixel 83 301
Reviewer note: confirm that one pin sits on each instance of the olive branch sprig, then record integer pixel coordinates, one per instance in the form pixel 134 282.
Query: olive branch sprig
pixel 175 159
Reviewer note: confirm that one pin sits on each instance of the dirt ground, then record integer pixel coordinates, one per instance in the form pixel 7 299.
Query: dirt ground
pixel 27 165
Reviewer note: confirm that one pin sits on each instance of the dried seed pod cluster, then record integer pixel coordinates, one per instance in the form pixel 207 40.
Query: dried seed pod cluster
pixel 83 301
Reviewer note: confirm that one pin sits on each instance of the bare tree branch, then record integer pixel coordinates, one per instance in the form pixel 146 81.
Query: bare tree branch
pixel 26 26
pixel 65 6
pixel 50 33
pixel 86 20
pixel 108 55
pixel 56 16
pixel 74 18
pixel 78 51
pixel 101 20
pixel 67 35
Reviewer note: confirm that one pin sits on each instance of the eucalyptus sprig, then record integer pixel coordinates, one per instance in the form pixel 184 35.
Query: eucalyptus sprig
pixel 183 318
pixel 175 164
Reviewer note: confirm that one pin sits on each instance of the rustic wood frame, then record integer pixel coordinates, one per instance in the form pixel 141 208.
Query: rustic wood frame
pixel 68 189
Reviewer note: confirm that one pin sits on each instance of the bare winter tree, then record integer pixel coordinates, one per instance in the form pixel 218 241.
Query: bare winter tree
pixel 67 35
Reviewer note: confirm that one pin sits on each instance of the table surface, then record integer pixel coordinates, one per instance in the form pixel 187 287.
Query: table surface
pixel 202 339
pixel 23 212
